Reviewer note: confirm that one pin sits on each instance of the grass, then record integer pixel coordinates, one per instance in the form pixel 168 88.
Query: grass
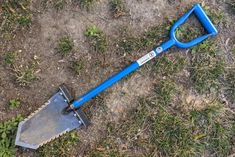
pixel 231 4
pixel 170 65
pixel 165 91
pixel 77 66
pixel 172 136
pixel 216 16
pixel 10 58
pixel 149 39
pixel 186 33
pixel 230 85
pixel 8 132
pixel 56 4
pixel 215 126
pixel 16 14
pixel 96 38
pixel 25 74
pixel 59 4
pixel 62 146
pixel 152 130
pixel 86 4
pixel 130 44
pixel 117 8
pixel 14 103
pixel 206 67
pixel 65 45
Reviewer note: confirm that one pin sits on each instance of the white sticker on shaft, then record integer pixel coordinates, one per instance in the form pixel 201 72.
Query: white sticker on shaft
pixel 146 58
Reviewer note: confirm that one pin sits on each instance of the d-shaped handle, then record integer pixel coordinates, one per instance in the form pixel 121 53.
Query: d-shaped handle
pixel 203 19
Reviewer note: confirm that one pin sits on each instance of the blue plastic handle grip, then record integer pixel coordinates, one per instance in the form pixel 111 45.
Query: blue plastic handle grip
pixel 203 18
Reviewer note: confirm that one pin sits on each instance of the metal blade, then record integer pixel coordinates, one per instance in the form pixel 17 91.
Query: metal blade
pixel 46 124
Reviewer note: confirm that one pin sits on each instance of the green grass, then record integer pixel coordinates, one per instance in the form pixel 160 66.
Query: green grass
pixel 59 4
pixel 186 33
pixel 165 91
pixel 25 74
pixel 14 103
pixel 206 67
pixel 87 4
pixel 215 127
pixel 16 14
pixel 231 4
pixel 96 38
pixel 77 66
pixel 10 58
pixel 151 129
pixel 215 15
pixel 62 146
pixel 7 136
pixel 230 85
pixel 65 45
pixel 117 8
pixel 130 44
pixel 56 4
pixel 150 38
pixel 170 65
pixel 173 136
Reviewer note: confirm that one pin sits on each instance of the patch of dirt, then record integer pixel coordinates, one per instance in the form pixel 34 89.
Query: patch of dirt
pixel 124 95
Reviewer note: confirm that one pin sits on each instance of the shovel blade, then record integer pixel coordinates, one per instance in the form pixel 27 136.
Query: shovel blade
pixel 47 123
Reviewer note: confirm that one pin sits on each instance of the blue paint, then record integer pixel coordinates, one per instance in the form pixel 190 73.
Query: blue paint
pixel 204 20
pixel 109 82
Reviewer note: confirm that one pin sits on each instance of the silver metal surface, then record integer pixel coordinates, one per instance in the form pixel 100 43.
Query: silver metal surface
pixel 46 124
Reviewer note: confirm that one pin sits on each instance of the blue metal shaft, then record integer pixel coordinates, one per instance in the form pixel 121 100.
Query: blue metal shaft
pixel 109 82
pixel 203 18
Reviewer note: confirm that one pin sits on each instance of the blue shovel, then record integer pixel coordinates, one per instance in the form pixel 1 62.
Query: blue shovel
pixel 62 113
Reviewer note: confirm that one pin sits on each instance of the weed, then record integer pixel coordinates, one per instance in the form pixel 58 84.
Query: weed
pixel 14 103
pixel 65 45
pixel 230 85
pixel 77 66
pixel 165 91
pixel 10 58
pixel 86 4
pixel 25 74
pixel 61 146
pixel 16 14
pixel 117 8
pixel 96 38
pixel 206 67
pixel 8 132
pixel 168 66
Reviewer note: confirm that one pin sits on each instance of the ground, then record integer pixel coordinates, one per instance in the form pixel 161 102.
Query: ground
pixel 181 104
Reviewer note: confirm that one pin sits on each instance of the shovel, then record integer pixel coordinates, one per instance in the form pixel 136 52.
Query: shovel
pixel 61 113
